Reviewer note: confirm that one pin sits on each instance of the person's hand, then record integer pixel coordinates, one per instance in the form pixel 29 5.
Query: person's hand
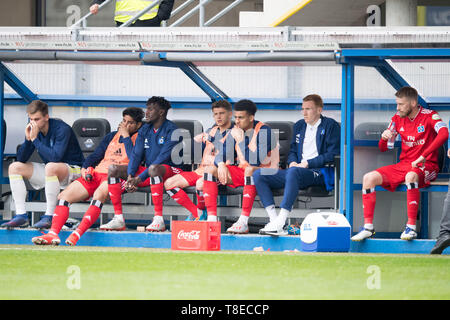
pixel 293 164
pixel 34 131
pixel 387 134
pixel 303 164
pixel 28 132
pixel 202 137
pixel 448 153
pixel 123 130
pixel 237 134
pixel 83 173
pixel 94 8
pixel 222 173
pixel 420 160
pixel 132 183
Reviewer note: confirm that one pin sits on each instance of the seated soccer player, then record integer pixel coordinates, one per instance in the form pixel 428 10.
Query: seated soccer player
pixel 114 149
pixel 254 147
pixel 222 113
pixel 154 145
pixel 61 154
pixel 315 142
pixel 423 132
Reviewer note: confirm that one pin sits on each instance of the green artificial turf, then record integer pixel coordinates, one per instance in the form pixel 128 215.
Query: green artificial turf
pixel 119 273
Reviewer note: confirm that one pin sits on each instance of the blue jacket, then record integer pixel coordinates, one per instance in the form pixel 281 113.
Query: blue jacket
pixel 328 146
pixel 153 147
pixel 59 145
pixel 99 153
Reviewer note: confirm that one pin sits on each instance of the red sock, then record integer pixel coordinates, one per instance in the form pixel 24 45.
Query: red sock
pixel 200 200
pixel 115 194
pixel 91 215
pixel 60 216
pixel 369 200
pixel 183 199
pixel 413 199
pixel 248 197
pixel 210 192
pixel 157 188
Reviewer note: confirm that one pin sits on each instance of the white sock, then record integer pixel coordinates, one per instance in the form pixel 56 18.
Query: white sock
pixel 283 215
pixel 19 192
pixel 412 226
pixel 52 189
pixel 243 219
pixel 368 226
pixel 158 219
pixel 119 217
pixel 272 212
pixel 212 218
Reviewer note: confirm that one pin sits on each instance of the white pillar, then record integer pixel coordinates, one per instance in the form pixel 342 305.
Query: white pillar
pixel 401 13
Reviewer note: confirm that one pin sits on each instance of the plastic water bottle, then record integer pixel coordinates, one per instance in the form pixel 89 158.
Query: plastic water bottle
pixel 391 141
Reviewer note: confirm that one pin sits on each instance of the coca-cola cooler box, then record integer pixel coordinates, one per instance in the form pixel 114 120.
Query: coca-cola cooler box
pixel 195 235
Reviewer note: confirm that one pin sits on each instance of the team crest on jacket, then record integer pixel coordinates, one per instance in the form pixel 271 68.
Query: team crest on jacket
pixel 161 140
pixel 420 129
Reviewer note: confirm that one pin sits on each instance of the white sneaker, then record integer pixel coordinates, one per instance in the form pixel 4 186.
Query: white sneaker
pixel 238 227
pixel 363 234
pixel 409 234
pixel 157 225
pixel 274 228
pixel 116 224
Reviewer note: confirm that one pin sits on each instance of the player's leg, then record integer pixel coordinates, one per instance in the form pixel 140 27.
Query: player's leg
pixel 56 174
pixel 174 187
pixel 265 181
pixel 18 171
pixel 157 173
pixel 412 205
pixel 116 175
pixel 92 213
pixel 75 192
pixel 443 240
pixel 201 207
pixel 370 181
pixel 245 178
pixel 295 179
pixel 210 192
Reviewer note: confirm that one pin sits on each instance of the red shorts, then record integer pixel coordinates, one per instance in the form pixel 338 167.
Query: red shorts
pixel 91 186
pixel 170 172
pixel 394 174
pixel 237 176
pixel 191 177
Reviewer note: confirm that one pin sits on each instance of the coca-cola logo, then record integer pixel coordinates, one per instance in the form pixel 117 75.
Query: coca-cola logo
pixel 189 235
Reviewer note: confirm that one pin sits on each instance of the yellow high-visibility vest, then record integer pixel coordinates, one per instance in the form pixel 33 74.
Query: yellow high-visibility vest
pixel 126 9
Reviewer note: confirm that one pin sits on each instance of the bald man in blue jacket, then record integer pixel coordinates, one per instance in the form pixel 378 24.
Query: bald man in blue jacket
pixel 315 142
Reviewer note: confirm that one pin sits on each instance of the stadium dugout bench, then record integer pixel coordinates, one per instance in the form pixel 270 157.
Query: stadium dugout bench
pixel 90 132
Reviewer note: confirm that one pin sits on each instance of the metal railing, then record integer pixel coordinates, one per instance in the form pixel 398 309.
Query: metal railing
pixel 200 7
pixel 201 12
pixel 83 21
